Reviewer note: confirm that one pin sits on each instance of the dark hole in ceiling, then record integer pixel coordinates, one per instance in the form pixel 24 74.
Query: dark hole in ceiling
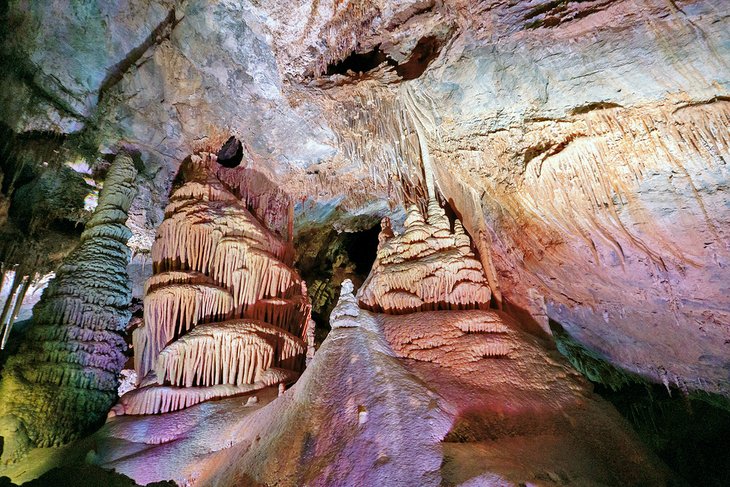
pixel 426 50
pixel 360 62
pixel 231 154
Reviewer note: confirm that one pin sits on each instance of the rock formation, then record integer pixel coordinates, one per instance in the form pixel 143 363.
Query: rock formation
pixel 224 313
pixel 64 378
pixel 576 139
pixel 582 144
pixel 428 267
pixel 456 396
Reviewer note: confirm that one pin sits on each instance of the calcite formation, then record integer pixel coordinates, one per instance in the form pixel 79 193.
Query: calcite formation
pixel 63 380
pixel 224 312
pixel 583 146
pixel 459 397
pixel 428 267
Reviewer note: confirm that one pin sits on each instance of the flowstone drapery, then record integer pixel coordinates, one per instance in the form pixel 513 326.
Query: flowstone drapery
pixel 224 312
pixel 64 378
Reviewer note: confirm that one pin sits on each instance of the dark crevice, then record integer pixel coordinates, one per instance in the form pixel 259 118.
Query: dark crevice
pixel 361 248
pixel 159 34
pixel 545 8
pixel 534 151
pixel 360 62
pixel 547 149
pixel 326 257
pixel 426 50
pixel 599 105
pixel 712 100
pixel 556 12
pixel 231 153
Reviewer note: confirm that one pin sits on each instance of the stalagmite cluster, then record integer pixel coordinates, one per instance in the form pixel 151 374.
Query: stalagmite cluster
pixel 428 267
pixel 64 378
pixel 224 309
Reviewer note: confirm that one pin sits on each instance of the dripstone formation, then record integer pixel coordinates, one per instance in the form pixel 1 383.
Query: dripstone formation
pixel 64 378
pixel 428 267
pixel 458 394
pixel 224 313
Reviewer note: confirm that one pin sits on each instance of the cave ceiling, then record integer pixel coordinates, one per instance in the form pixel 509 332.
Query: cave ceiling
pixel 583 144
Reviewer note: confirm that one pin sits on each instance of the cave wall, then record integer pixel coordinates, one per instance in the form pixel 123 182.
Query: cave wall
pixel 584 144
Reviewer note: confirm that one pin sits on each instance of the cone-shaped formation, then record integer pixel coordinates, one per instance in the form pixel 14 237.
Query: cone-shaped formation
pixel 428 267
pixel 223 307
pixel 64 379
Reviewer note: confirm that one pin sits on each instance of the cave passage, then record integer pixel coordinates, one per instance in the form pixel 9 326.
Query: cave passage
pixel 360 62
pixel 325 258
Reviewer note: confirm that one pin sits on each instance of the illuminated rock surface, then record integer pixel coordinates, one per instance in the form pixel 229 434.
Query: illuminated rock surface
pixel 63 381
pixel 219 273
pixel 428 267
pixel 575 139
pixel 423 398
pixel 581 147
pixel 417 399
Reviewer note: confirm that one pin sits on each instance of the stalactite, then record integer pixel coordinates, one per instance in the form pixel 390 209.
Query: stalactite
pixel 64 378
pixel 426 268
pixel 223 308
pixel 171 311
pixel 155 399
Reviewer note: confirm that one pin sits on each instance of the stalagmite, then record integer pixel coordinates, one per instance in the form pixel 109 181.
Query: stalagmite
pixel 426 268
pixel 64 378
pixel 429 268
pixel 224 308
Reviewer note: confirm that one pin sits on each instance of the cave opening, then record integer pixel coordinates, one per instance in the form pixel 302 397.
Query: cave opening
pixel 362 247
pixel 426 50
pixel 326 257
pixel 360 62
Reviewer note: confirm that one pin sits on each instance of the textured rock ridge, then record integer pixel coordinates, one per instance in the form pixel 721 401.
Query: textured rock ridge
pixel 224 309
pixel 64 378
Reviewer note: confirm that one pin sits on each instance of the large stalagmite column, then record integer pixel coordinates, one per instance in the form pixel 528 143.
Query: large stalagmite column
pixel 64 378
pixel 224 313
